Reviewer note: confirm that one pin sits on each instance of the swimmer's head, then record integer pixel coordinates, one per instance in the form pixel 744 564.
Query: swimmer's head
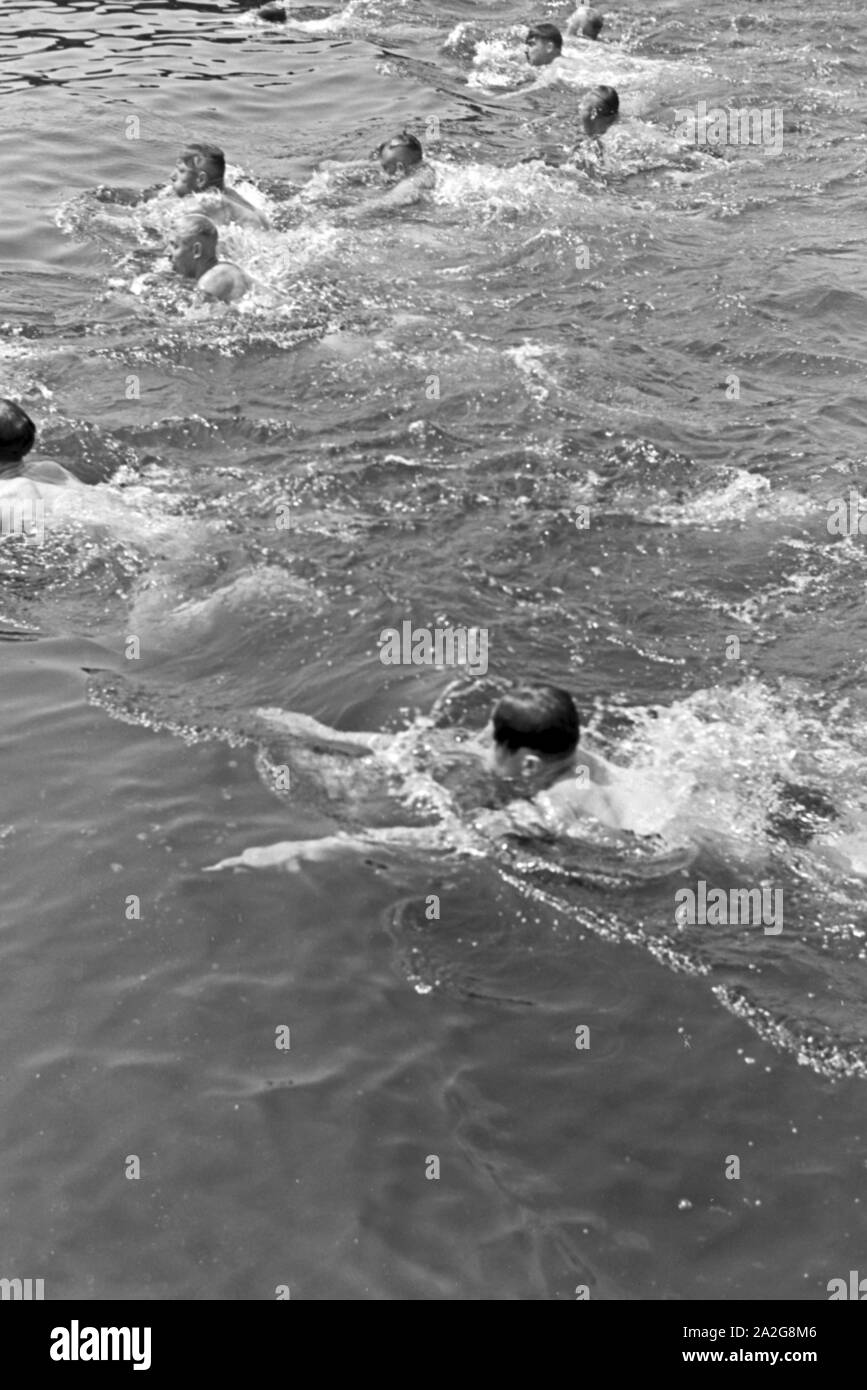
pixel 199 166
pixel 543 44
pixel 17 434
pixel 586 22
pixel 399 155
pixel 599 110
pixel 193 247
pixel 533 728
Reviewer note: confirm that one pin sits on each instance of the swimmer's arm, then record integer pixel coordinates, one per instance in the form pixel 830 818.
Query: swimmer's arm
pixel 127 197
pixel 290 855
pixel 520 820
pixel 403 195
pixel 312 731
pixel 525 84
pixel 347 168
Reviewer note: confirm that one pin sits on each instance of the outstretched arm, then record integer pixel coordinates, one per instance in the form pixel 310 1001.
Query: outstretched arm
pixel 403 194
pixel 359 169
pixel 304 726
pixel 127 197
pixel 289 855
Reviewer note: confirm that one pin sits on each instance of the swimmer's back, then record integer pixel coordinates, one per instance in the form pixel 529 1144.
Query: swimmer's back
pixel 47 471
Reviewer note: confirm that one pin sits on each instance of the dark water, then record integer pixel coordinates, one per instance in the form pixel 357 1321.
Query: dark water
pixel 435 397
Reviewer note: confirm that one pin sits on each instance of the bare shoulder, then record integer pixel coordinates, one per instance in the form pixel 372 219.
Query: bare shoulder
pixel 243 211
pixel 408 191
pixel 581 795
pixel 47 471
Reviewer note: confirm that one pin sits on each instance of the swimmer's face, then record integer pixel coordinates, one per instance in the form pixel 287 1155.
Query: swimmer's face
pixel 540 52
pixel 506 763
pixel 516 765
pixel 186 179
pixel 592 123
pixel 185 253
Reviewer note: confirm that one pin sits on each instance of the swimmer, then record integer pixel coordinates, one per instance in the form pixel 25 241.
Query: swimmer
pixel 36 491
pixel 531 744
pixel 201 168
pixel 193 252
pixel 543 47
pixel 17 437
pixel 598 110
pixel 585 23
pixel 543 44
pixel 24 482
pixel 402 166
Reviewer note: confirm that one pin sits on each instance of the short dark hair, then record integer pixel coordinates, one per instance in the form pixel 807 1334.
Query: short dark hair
pixel 201 155
pixel 608 103
pixel 17 432
pixel 542 718
pixel 547 32
pixel 593 23
pixel 410 143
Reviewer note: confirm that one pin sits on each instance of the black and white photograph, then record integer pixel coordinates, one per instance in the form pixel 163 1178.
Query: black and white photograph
pixel 433 633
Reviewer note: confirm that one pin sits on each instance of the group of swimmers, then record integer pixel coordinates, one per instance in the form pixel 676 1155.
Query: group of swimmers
pixel 201 171
pixel 531 741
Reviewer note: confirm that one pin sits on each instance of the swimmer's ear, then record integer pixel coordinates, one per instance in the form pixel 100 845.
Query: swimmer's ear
pixel 201 178
pixel 530 766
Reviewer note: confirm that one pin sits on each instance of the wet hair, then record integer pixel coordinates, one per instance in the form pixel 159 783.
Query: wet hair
pixel 606 101
pixel 17 432
pixel 549 33
pixel 405 141
pixel 210 158
pixel 591 23
pixel 542 718
pixel 197 225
